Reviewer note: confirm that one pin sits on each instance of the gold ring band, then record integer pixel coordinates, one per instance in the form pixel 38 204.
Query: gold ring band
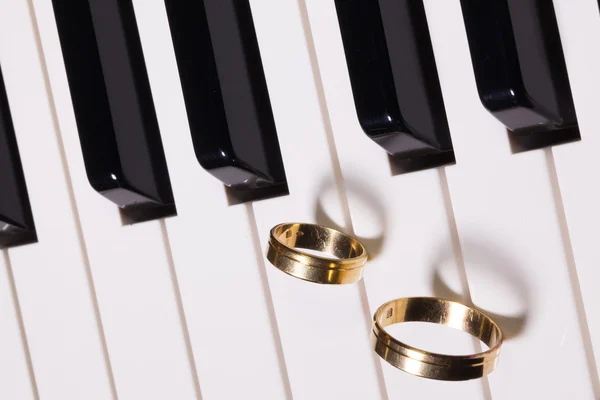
pixel 345 266
pixel 432 365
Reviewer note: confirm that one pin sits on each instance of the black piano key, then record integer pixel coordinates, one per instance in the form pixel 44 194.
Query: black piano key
pixel 16 220
pixel 117 123
pixel 520 67
pixel 225 92
pixel 394 77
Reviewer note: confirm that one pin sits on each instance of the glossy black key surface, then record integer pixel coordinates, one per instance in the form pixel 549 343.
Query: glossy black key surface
pixel 394 77
pixel 117 124
pixel 225 92
pixel 16 220
pixel 519 65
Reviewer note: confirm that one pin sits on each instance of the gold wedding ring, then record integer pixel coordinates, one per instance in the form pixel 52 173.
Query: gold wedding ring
pixel 345 264
pixel 432 365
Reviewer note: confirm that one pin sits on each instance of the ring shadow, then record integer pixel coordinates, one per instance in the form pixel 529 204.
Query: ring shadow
pixel 496 261
pixel 374 245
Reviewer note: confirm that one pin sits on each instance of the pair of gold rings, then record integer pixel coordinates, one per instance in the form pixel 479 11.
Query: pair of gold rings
pixel 323 255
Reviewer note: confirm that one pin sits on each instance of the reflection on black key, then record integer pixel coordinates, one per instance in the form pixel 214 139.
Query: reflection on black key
pixel 226 95
pixel 16 221
pixel 117 124
pixel 394 77
pixel 520 68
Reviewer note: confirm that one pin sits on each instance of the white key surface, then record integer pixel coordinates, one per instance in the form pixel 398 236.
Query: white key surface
pixel 52 276
pixel 576 163
pixel 16 381
pixel 401 219
pixel 324 329
pixel 220 274
pixel 509 230
pixel 130 265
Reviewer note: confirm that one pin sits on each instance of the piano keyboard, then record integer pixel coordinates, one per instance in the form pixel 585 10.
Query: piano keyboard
pixel 178 301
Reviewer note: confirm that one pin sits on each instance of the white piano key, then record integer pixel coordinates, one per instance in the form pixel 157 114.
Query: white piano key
pixel 509 229
pixel 403 218
pixel 130 265
pixel 52 277
pixel 220 274
pixel 324 329
pixel 16 380
pixel 576 163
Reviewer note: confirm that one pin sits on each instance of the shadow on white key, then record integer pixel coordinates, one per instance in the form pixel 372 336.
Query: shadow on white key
pixel 402 220
pixel 577 163
pixel 324 329
pixel 229 314
pixel 52 277
pixel 130 265
pixel 16 377
pixel 506 202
